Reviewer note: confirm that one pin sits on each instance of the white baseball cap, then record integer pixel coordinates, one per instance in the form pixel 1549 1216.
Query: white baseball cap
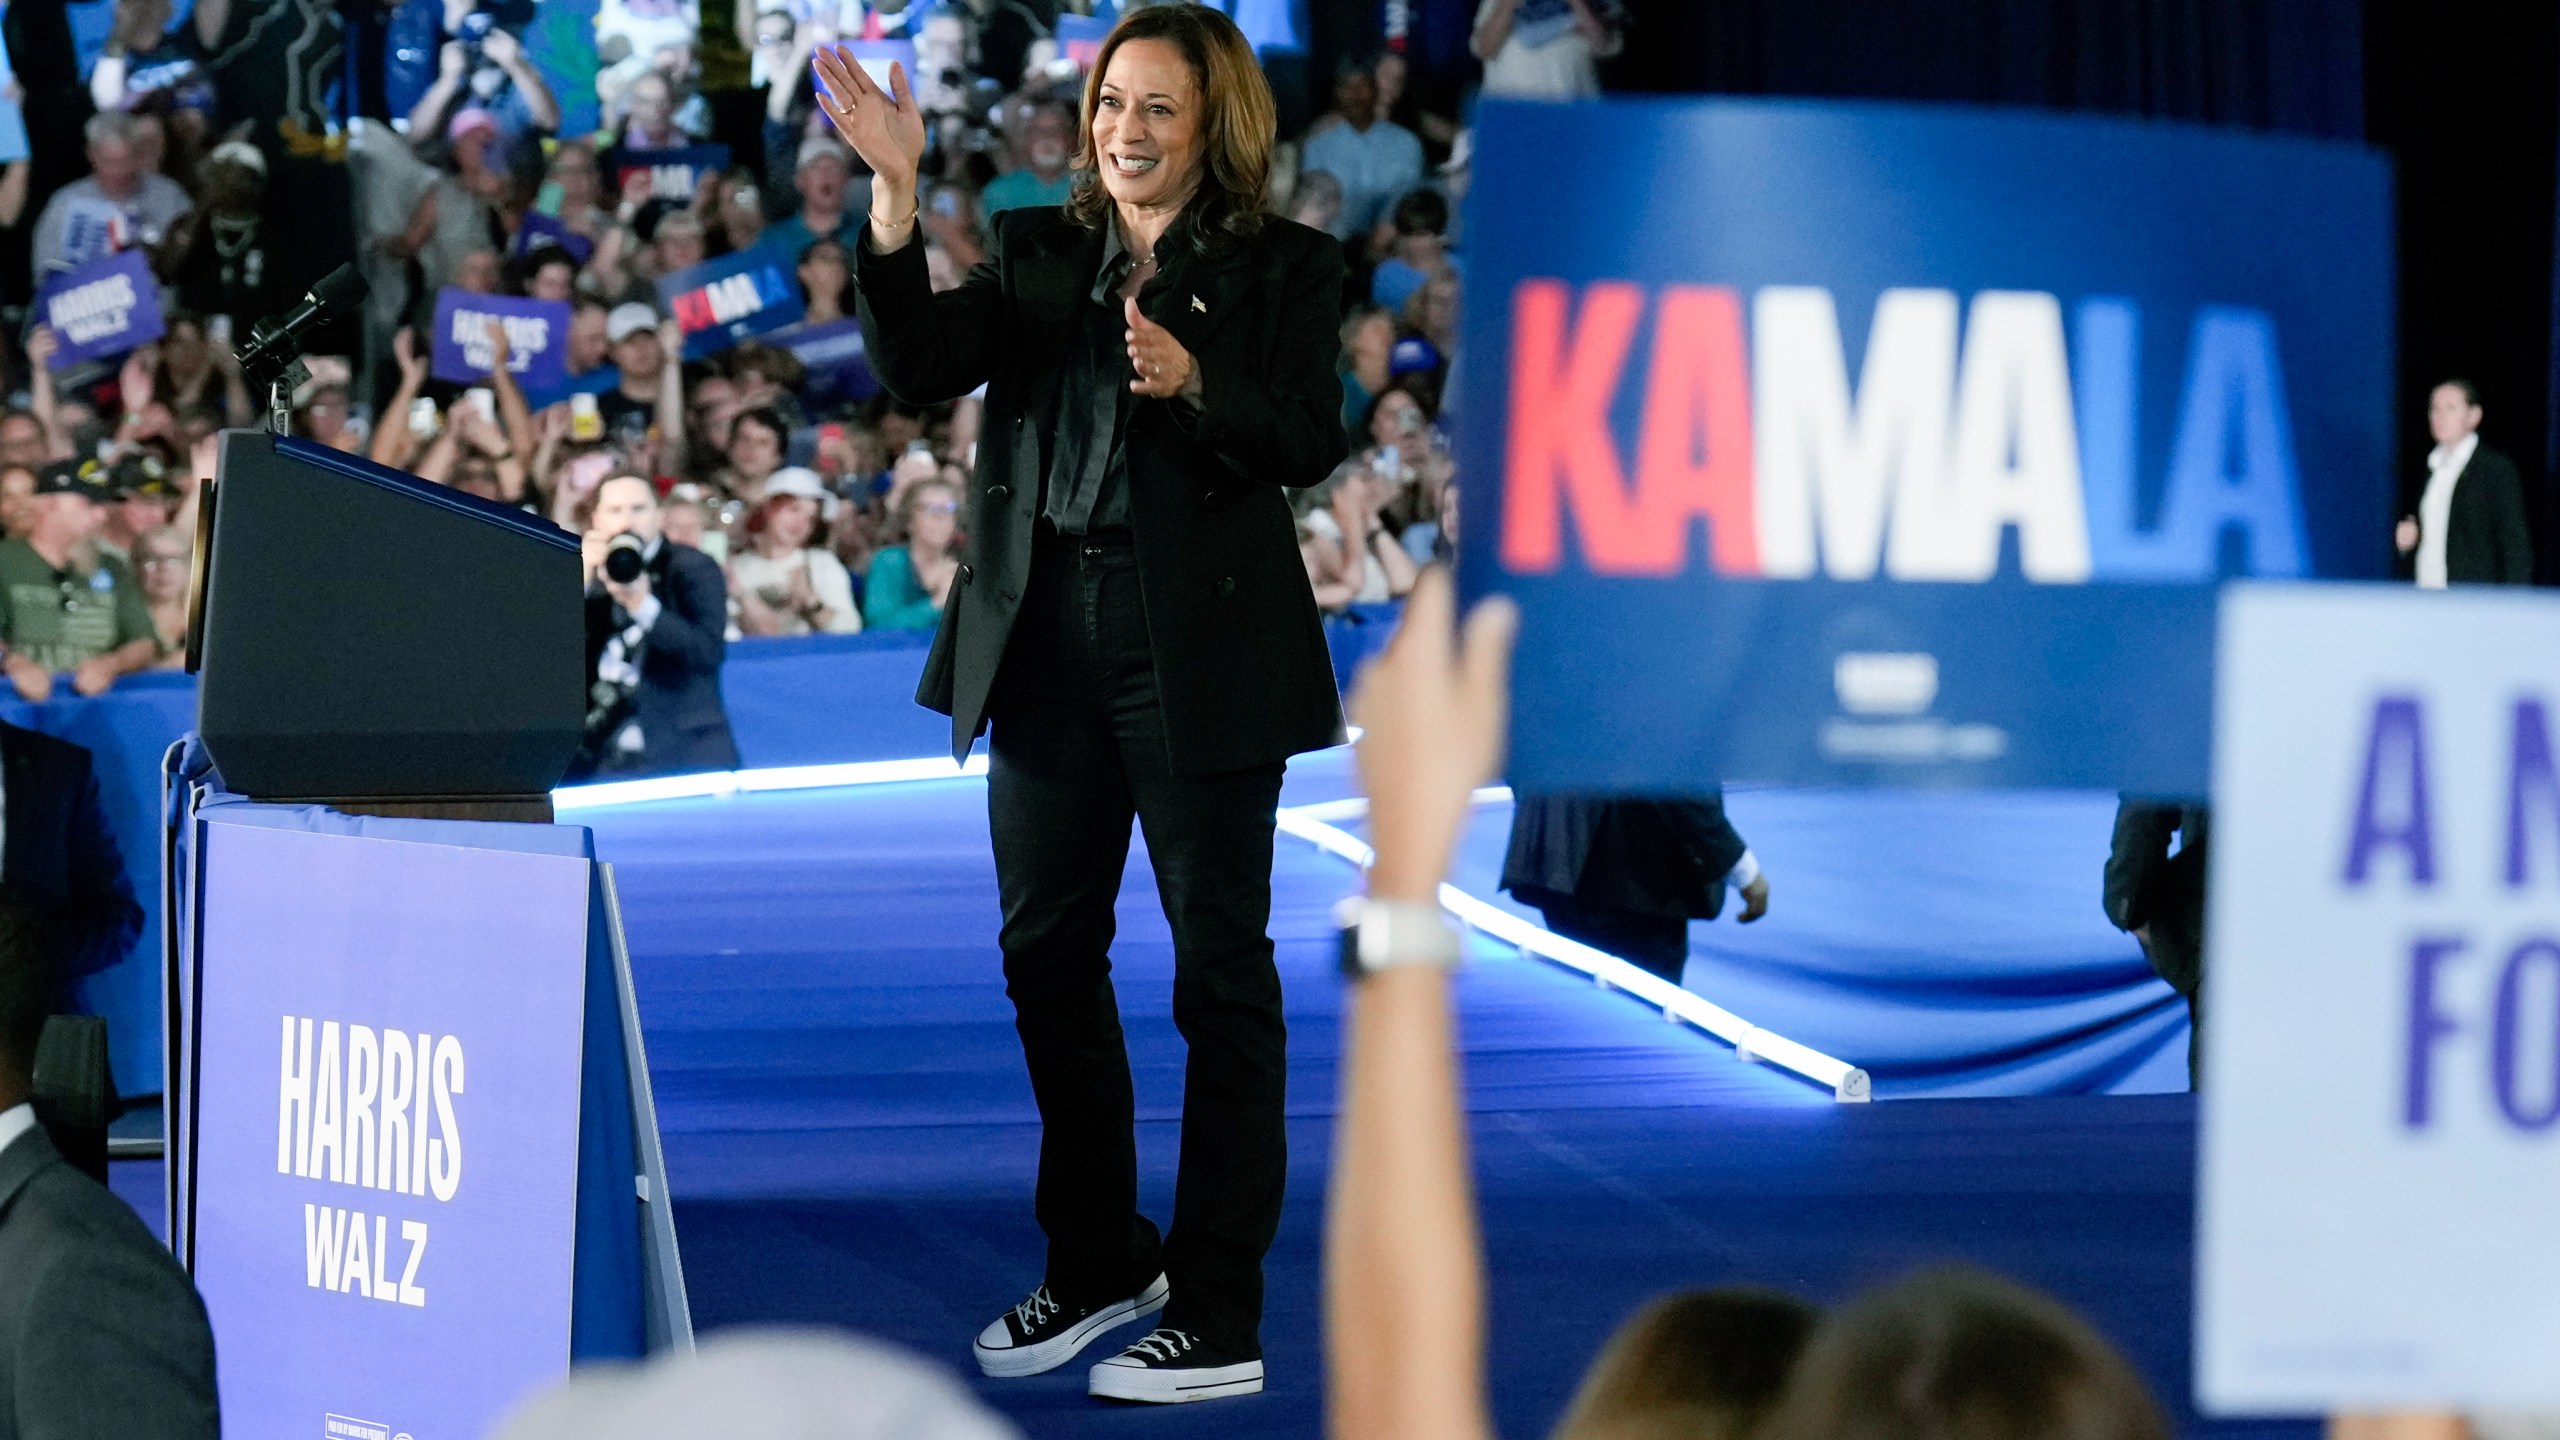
pixel 628 319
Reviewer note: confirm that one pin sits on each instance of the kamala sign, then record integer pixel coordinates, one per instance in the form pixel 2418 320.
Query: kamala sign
pixel 2382 1119
pixel 1835 443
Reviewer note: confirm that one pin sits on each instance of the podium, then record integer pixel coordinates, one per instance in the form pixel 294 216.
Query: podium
pixel 414 1165
pixel 373 642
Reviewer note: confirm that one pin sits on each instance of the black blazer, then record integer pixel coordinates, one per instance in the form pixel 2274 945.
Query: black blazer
pixel 678 699
pixel 1240 656
pixel 2148 886
pixel 61 860
pixel 2487 540
pixel 101 1335
pixel 1662 857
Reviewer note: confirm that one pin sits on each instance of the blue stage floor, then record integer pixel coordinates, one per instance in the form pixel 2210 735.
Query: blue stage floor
pixel 851 1139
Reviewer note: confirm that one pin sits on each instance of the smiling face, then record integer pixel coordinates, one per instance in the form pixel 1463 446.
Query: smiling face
pixel 1147 139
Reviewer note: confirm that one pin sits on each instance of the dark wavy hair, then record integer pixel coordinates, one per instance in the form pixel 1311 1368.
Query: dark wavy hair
pixel 1238 122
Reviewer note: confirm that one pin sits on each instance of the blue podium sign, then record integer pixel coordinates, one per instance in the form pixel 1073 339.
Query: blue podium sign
pixel 1844 444
pixel 386 1132
pixel 414 1161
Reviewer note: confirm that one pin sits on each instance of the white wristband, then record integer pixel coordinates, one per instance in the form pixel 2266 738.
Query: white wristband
pixel 1381 934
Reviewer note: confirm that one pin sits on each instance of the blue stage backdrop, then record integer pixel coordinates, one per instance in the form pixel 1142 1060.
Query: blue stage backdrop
pixel 1846 443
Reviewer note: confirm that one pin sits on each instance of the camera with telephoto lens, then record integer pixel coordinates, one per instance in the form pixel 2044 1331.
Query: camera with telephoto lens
pixel 624 560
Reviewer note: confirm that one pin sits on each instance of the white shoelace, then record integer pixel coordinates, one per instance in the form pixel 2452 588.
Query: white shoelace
pixel 1031 1312
pixel 1162 1344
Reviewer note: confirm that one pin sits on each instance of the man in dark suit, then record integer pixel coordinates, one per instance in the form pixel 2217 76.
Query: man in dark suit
pixel 59 860
pixel 1626 875
pixel 654 647
pixel 2159 898
pixel 100 1333
pixel 2470 528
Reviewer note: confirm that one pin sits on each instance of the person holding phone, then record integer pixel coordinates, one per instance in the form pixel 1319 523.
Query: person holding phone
pixel 1130 622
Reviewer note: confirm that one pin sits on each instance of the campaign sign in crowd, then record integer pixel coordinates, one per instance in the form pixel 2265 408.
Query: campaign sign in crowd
pixel 101 310
pixel 721 302
pixel 537 334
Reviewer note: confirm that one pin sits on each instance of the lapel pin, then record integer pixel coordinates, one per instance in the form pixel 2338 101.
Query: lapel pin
pixel 1196 305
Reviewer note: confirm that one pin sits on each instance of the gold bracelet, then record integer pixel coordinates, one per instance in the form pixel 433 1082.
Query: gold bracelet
pixel 912 217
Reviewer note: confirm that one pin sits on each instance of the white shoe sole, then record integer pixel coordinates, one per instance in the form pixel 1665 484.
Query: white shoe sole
pixel 1174 1387
pixel 1015 1362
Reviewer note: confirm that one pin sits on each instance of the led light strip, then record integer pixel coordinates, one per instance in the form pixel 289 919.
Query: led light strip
pixel 750 782
pixel 1313 824
pixel 1847 1082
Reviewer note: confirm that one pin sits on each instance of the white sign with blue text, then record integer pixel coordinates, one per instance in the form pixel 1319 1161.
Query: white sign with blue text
pixel 2381 1107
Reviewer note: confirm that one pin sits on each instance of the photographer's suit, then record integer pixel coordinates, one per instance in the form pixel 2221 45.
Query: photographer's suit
pixel 677 702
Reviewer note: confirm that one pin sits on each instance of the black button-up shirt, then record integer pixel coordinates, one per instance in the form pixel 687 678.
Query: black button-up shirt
pixel 1088 481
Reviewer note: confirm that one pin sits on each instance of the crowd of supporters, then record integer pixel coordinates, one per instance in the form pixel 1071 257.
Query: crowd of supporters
pixel 579 162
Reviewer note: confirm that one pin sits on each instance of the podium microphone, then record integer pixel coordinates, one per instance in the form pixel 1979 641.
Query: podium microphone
pixel 274 351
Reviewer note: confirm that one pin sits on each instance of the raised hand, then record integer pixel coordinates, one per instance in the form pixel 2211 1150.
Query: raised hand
pixel 1432 711
pixel 498 338
pixel 884 127
pixel 41 343
pixel 1164 368
pixel 404 349
pixel 133 382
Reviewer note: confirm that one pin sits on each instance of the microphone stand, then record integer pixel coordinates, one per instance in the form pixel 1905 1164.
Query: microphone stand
pixel 280 396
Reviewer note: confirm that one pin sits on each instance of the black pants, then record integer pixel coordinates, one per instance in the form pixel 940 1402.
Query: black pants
pixel 1078 746
pixel 1659 943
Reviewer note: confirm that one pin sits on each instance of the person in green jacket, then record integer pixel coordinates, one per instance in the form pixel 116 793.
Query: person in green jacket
pixel 909 582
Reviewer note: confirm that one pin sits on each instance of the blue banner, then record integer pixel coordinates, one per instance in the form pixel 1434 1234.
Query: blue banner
pixel 537 334
pixel 540 229
pixel 101 310
pixel 385 1125
pixel 721 302
pixel 1851 444
pixel 838 368
pixel 1080 38
pixel 673 173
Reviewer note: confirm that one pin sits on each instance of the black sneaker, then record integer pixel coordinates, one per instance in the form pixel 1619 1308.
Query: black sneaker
pixel 1170 1367
pixel 1040 1334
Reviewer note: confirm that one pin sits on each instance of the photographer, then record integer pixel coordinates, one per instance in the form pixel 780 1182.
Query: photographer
pixel 654 644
